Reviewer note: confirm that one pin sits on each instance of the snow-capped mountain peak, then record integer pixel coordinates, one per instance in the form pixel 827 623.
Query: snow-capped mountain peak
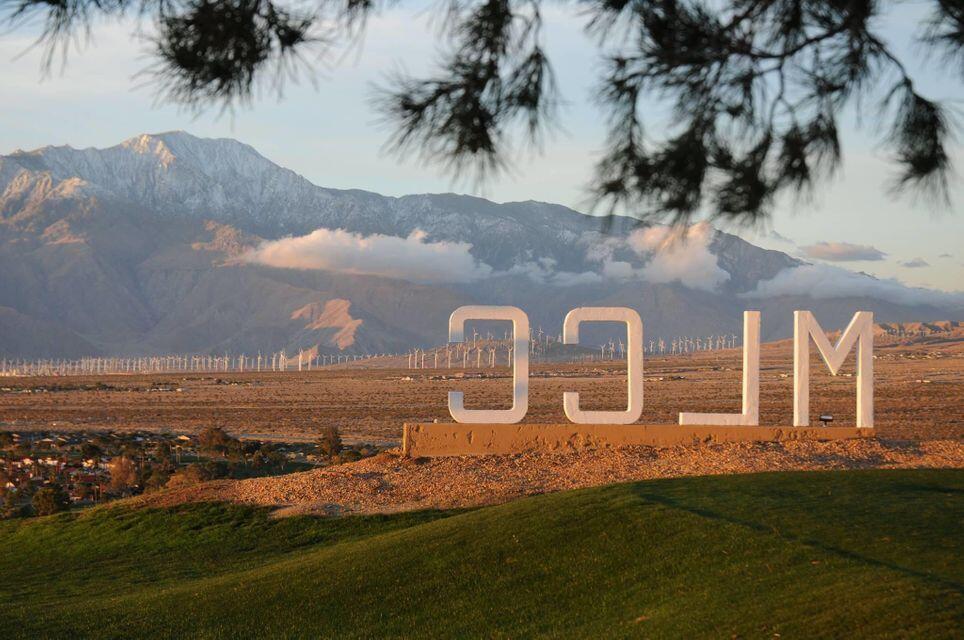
pixel 170 242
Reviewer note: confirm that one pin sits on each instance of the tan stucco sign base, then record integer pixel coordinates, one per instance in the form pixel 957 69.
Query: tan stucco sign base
pixel 453 439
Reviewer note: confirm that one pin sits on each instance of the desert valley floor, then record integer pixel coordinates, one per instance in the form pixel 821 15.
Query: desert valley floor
pixel 919 398
pixel 919 395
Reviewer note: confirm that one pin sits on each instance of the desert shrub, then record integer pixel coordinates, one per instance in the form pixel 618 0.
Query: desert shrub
pixel 252 447
pixel 267 457
pixel 216 441
pixel 187 476
pixel 259 459
pixel 156 478
pixel 216 469
pixel 349 455
pixel 329 444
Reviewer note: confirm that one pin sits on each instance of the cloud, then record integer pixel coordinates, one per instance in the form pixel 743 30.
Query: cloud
pixel 668 254
pixel 826 281
pixel 676 255
pixel 916 263
pixel 656 254
pixel 842 252
pixel 620 270
pixel 601 247
pixel 544 271
pixel 411 258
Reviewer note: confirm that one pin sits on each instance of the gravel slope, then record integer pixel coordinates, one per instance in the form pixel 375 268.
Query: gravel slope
pixel 390 482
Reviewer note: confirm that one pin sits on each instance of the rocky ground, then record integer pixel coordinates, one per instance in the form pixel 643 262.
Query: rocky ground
pixel 919 422
pixel 390 482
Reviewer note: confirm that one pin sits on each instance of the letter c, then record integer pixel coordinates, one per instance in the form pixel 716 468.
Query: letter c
pixel 634 357
pixel 520 364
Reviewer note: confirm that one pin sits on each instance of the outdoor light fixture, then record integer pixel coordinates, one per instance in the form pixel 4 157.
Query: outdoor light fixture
pixel 825 418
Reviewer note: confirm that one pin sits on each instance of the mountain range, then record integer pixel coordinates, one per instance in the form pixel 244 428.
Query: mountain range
pixel 169 243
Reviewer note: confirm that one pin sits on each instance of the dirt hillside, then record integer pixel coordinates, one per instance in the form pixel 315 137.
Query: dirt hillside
pixel 390 482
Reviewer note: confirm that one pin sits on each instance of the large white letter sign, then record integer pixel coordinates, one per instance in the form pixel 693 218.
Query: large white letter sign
pixel 520 364
pixel 634 356
pixel 859 331
pixel 750 416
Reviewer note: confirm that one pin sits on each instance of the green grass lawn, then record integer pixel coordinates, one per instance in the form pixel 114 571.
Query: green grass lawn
pixel 804 555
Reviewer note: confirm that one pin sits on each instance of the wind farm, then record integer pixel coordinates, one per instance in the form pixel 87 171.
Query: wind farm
pixel 506 319
pixel 371 398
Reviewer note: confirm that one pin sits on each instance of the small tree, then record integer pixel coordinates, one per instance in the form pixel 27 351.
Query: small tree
pixel 49 499
pixel 265 454
pixel 164 458
pixel 215 441
pixel 90 451
pixel 187 476
pixel 234 451
pixel 163 451
pixel 123 473
pixel 11 504
pixel 156 478
pixel 215 469
pixel 84 491
pixel 329 445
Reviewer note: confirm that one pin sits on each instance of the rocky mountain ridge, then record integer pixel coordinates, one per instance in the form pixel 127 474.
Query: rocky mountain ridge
pixel 146 247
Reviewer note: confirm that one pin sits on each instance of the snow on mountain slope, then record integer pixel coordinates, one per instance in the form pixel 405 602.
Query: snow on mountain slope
pixel 170 242
pixel 178 175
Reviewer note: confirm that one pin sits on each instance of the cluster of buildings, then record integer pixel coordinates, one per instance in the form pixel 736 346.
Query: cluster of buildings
pixel 89 467
pixel 80 463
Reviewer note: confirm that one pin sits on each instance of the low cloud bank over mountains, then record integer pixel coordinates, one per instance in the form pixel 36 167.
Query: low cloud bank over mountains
pixel 843 252
pixel 822 282
pixel 412 258
pixel 673 255
pixel 171 243
pixel 661 255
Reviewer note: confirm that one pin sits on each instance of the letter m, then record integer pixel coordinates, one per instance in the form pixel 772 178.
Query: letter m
pixel 860 331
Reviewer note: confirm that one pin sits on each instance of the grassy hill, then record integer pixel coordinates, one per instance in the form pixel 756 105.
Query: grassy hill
pixel 859 553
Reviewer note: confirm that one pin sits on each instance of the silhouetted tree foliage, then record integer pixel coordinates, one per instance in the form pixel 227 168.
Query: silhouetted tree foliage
pixel 755 87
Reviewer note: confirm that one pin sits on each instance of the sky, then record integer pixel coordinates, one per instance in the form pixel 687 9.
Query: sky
pixel 328 131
